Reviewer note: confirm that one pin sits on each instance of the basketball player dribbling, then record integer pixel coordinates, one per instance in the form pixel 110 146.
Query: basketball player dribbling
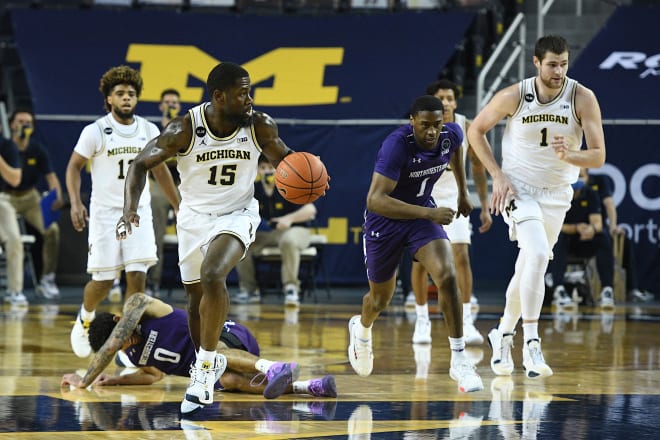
pixel 541 158
pixel 401 215
pixel 217 144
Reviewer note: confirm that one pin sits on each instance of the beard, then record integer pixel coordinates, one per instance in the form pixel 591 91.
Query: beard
pixel 242 119
pixel 124 114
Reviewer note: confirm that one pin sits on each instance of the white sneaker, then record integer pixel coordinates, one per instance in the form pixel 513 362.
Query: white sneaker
pixel 243 297
pixel 79 338
pixel 533 360
pixel 16 299
pixel 501 361
pixel 607 298
pixel 637 295
pixel 47 286
pixel 360 353
pixel 410 300
pixel 115 292
pixel 471 334
pixel 561 298
pixel 291 297
pixel 422 334
pixel 463 372
pixel 202 381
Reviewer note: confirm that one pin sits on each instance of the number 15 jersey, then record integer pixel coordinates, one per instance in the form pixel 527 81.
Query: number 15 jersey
pixel 218 174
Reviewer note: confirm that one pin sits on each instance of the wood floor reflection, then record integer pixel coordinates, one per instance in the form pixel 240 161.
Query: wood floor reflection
pixel 606 382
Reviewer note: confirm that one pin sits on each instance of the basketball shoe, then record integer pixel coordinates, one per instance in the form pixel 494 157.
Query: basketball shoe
pixel 280 375
pixel 79 337
pixel 470 332
pixel 16 299
pixel 463 372
pixel 203 376
pixel 607 298
pixel 360 353
pixel 291 297
pixel 501 361
pixel 323 387
pixel 422 334
pixel 533 360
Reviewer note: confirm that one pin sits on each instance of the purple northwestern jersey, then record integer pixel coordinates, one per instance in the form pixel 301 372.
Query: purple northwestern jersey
pixel 415 170
pixel 166 343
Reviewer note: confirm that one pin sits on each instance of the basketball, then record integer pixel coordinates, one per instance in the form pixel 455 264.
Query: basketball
pixel 301 178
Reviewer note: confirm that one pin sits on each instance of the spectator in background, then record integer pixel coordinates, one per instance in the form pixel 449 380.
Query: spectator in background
pixel 10 234
pixel 169 106
pixel 601 184
pixel 284 225
pixel 582 236
pixel 26 200
pixel 445 193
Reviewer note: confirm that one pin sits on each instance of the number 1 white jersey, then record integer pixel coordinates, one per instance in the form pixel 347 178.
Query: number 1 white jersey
pixel 218 174
pixel 526 151
pixel 110 148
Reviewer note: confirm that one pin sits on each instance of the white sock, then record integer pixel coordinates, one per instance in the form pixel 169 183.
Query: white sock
pixel 422 311
pixel 85 315
pixel 301 387
pixel 364 332
pixel 457 344
pixel 263 365
pixel 530 331
pixel 467 313
pixel 205 356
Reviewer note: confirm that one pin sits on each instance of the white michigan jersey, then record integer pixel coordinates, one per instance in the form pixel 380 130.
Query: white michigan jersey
pixel 526 151
pixel 111 147
pixel 445 190
pixel 217 174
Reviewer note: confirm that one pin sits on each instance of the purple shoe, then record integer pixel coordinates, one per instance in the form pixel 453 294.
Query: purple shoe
pixel 324 387
pixel 280 375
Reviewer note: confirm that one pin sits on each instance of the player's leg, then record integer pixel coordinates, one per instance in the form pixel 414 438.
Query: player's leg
pixel 437 257
pixel 94 292
pixel 420 284
pixel 136 279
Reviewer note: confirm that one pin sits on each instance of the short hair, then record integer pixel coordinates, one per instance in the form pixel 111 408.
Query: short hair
pixel 550 43
pixel 169 92
pixel 426 103
pixel 21 110
pixel 100 329
pixel 445 84
pixel 119 75
pixel 224 76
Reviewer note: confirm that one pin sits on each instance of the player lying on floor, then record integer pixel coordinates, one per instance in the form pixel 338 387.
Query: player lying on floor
pixel 156 340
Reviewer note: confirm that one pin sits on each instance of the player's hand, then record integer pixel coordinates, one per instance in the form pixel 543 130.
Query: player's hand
pixel 586 231
pixel 442 215
pixel 464 206
pixel 72 379
pixel 486 221
pixel 105 380
pixel 125 224
pixel 560 146
pixel 79 216
pixel 502 188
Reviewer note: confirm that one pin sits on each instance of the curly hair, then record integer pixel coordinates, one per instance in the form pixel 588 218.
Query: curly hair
pixel 100 329
pixel 119 75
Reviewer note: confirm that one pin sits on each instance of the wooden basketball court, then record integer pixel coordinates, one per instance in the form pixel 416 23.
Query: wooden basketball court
pixel 606 383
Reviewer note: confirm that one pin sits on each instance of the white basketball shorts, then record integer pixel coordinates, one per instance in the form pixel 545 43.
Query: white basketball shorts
pixel 107 255
pixel 196 230
pixel 531 203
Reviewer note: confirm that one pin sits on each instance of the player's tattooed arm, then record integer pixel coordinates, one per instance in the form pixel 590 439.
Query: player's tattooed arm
pixel 133 310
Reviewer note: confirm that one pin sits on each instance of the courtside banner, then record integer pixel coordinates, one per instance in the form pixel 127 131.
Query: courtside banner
pixel 622 64
pixel 338 66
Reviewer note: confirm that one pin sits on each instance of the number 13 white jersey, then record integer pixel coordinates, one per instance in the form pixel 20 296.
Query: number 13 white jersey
pixel 217 174
pixel 526 151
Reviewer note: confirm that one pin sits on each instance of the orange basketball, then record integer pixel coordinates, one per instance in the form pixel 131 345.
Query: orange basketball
pixel 301 178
